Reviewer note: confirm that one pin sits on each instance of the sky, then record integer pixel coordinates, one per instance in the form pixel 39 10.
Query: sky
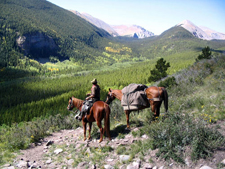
pixel 153 15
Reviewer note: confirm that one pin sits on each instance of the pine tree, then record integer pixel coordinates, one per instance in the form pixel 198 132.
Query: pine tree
pixel 206 54
pixel 159 71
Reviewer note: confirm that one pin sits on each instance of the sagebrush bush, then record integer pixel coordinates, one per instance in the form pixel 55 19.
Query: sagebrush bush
pixel 177 131
pixel 168 82
pixel 19 136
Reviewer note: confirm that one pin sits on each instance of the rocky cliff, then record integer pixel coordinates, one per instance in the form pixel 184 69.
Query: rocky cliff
pixel 37 44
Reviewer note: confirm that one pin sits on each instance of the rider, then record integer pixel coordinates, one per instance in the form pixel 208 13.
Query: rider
pixel 95 91
pixel 91 98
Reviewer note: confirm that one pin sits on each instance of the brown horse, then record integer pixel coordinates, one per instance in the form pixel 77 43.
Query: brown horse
pixel 98 111
pixel 154 94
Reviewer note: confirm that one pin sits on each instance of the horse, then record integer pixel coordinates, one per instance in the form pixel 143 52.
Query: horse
pixel 155 97
pixel 97 112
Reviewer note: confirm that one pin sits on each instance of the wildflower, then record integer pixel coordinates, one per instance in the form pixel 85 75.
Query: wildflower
pixel 2 69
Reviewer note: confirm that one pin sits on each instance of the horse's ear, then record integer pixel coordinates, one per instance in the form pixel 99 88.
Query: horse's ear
pixel 110 90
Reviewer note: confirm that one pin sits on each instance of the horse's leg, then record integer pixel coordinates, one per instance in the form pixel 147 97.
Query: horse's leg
pixel 154 108
pixel 84 126
pixel 101 130
pixel 158 104
pixel 107 123
pixel 90 125
pixel 127 116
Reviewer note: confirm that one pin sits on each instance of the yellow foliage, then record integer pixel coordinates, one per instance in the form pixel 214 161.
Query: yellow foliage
pixel 109 49
pixel 53 69
pixel 2 69
pixel 117 48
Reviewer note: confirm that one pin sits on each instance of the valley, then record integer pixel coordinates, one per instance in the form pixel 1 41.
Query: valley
pixel 49 54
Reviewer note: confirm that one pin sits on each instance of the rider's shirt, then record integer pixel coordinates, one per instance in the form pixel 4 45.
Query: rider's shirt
pixel 95 91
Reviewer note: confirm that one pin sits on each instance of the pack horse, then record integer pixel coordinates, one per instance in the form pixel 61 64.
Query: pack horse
pixel 150 96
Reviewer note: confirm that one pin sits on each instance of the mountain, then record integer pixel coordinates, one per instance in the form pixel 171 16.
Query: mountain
pixel 97 22
pixel 201 32
pixel 117 30
pixel 132 31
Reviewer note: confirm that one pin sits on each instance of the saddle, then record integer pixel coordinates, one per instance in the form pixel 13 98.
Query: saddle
pixel 84 109
pixel 87 106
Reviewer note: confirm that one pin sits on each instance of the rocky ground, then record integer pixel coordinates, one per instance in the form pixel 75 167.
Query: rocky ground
pixel 66 150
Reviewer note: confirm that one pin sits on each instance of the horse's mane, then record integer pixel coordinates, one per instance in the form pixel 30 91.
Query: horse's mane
pixel 118 93
pixel 79 101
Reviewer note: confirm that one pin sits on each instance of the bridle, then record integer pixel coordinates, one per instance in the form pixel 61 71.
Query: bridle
pixel 109 98
pixel 71 106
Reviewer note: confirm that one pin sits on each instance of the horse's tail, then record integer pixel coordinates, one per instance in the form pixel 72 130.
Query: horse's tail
pixel 165 95
pixel 107 120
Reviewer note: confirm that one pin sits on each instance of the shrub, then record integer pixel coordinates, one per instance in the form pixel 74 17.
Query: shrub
pixel 176 131
pixel 169 82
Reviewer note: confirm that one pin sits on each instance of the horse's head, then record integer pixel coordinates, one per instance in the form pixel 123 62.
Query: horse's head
pixel 110 97
pixel 70 104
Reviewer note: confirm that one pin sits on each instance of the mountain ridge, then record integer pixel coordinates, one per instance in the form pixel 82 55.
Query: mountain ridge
pixel 135 31
pixel 201 32
pixel 140 32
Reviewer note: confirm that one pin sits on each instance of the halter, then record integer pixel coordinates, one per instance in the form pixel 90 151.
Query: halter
pixel 110 98
pixel 71 104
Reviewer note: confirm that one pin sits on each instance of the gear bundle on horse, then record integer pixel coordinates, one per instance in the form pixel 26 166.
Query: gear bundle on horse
pixel 100 110
pixel 153 96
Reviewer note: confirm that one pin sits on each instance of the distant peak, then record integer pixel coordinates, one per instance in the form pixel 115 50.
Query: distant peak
pixel 201 32
pixel 185 22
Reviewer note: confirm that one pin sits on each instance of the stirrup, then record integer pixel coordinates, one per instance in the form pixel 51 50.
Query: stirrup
pixel 78 117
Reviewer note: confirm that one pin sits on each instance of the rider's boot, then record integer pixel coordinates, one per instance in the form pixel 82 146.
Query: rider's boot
pixel 79 116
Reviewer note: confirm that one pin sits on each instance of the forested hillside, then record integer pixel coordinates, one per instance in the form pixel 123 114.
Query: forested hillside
pixel 74 37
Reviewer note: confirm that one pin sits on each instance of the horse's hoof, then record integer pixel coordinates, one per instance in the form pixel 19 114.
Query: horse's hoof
pixel 127 128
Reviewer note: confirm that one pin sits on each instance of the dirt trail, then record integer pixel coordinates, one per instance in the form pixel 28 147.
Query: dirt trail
pixel 45 155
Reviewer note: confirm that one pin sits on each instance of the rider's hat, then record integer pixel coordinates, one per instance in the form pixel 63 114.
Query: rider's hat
pixel 94 81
